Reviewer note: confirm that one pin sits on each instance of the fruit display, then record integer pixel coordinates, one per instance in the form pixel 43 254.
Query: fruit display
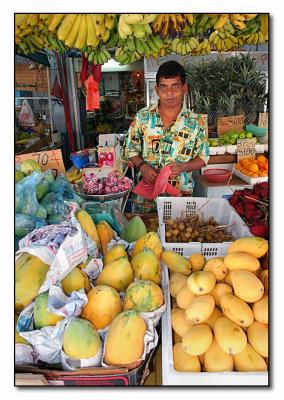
pixel 195 229
pixel 253 167
pixel 113 183
pixel 133 36
pixel 220 326
pixel 232 137
pixel 252 206
pixel 74 175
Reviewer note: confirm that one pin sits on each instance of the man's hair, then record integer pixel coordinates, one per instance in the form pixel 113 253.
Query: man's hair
pixel 170 69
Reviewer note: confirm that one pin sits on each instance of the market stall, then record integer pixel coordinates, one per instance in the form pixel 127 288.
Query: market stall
pixel 108 296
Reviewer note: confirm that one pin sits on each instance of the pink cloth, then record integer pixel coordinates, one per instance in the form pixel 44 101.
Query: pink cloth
pixel 161 185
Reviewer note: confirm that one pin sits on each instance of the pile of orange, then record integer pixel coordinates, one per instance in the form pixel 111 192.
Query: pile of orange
pixel 253 167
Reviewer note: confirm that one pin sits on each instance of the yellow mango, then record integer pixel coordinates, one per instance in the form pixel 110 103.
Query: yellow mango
pixel 76 279
pixel 200 309
pixel 103 306
pixel 184 297
pixel 88 226
pixel 42 317
pixel 257 335
pixel 179 322
pixel 30 273
pixel 197 340
pixel 118 274
pixel 125 339
pixel 150 240
pixel 201 282
pixel 264 279
pixel 217 267
pixel 247 286
pixel 249 360
pixel 260 310
pixel 237 310
pixel 176 263
pixel 176 338
pixel 216 360
pixel 228 278
pixel 220 289
pixel 143 296
pixel 106 234
pixel 114 253
pixel 213 317
pixel 146 266
pixel 240 260
pixel 177 281
pixel 183 361
pixel 229 336
pixel 254 245
pixel 197 261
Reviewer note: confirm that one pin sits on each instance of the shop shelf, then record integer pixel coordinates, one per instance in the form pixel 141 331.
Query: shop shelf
pixel 220 209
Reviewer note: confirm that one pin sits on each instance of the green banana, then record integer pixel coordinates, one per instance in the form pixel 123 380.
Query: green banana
pixel 91 56
pixel 131 44
pixel 152 45
pixel 139 47
pixel 138 31
pixel 157 41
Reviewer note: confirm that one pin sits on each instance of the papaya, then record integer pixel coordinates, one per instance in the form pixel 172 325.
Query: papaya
pixel 76 279
pixel 134 230
pixel 177 281
pixel 176 263
pixel 114 253
pixel 103 306
pixel 200 309
pixel 197 340
pixel 253 245
pixel 150 240
pixel 81 339
pixel 257 335
pixel 146 266
pixel 241 260
pixel 124 343
pixel 236 310
pixel 247 286
pixel 42 317
pixel 106 234
pixel 219 289
pixel 143 296
pixel 197 261
pixel 30 273
pixel 249 360
pixel 217 266
pixel 216 360
pixel 118 274
pixel 201 282
pixel 179 322
pixel 230 337
pixel 183 361
pixel 89 226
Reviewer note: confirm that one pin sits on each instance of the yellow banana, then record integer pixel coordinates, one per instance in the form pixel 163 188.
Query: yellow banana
pixel 109 21
pixel 192 43
pixel 55 21
pixel 66 26
pixel 92 39
pixel 229 44
pixel 238 24
pixel 81 40
pixel 238 17
pixel 221 21
pixel 188 47
pixel 148 18
pixel 204 44
pixel 44 17
pixel 99 24
pixel 212 36
pixel 264 23
pixel 133 18
pixel 20 19
pixel 189 17
pixel 261 37
pixel 179 47
pixel 174 44
pixel 124 29
pixel 32 19
pixel 72 35
pixel 106 35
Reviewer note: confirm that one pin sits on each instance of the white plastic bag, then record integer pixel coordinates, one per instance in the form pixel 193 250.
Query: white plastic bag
pixel 26 116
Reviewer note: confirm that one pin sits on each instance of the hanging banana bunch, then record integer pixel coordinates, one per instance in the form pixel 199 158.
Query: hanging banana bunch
pixel 135 25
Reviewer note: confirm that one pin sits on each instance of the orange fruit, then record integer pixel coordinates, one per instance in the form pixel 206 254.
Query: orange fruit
pixel 254 168
pixel 266 165
pixel 264 173
pixel 261 164
pixel 244 161
pixel 238 166
pixel 261 158
pixel 255 175
pixel 251 159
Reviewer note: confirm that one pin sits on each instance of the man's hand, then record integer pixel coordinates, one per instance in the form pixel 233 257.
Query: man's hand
pixel 177 169
pixel 148 173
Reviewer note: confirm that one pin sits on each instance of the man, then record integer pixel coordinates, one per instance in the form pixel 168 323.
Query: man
pixel 166 133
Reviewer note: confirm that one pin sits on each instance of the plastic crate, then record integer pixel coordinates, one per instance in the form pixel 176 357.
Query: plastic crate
pixel 220 209
pixel 218 150
pixel 249 179
pixel 171 377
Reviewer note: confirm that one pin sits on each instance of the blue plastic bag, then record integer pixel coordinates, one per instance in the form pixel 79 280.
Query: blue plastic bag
pixel 25 224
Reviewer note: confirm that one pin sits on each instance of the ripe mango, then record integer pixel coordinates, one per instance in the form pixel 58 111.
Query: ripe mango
pixel 176 338
pixel 103 306
pixel 118 274
pixel 184 297
pixel 217 266
pixel 76 279
pixel 176 263
pixel 213 317
pixel 220 289
pixel 106 234
pixel 216 360
pixel 228 278
pixel 114 253
pixel 236 310
pixel 264 279
pixel 260 310
pixel 200 309
pixel 42 317
pixel 125 339
pixel 143 296
pixel 197 261
pixel 240 260
pixel 177 281
pixel 247 286
pixel 183 361
pixel 201 282
pixel 229 336
pixel 179 322
pixel 150 240
pixel 257 335
pixel 254 245
pixel 146 266
pixel 197 340
pixel 249 360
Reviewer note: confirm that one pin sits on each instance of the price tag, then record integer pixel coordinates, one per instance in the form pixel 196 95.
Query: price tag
pixel 263 120
pixel 51 159
pixel 245 148
pixel 233 123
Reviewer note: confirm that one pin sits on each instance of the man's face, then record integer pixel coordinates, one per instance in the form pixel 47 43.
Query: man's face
pixel 171 91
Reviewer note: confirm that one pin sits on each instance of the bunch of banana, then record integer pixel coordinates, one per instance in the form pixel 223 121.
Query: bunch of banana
pixel 171 24
pixel 74 175
pixel 135 25
pixel 255 38
pixel 223 40
pixel 202 49
pixel 185 46
pixel 238 20
pixel 124 56
pixel 221 21
pixel 96 55
pixel 264 21
pixel 135 48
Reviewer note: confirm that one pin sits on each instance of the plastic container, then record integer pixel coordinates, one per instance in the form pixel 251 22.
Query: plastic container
pixel 217 150
pixel 217 175
pixel 220 209
pixel 256 130
pixel 80 159
pixel 170 376
pixel 249 179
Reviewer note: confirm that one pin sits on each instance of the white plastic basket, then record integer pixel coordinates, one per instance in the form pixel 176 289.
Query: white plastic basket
pixel 217 150
pixel 171 376
pixel 249 179
pixel 220 209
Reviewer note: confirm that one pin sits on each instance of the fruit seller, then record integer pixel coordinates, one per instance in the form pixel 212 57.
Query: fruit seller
pixel 167 133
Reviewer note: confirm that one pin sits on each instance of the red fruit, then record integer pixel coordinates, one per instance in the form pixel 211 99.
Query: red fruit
pixel 238 193
pixel 259 229
pixel 251 206
pixel 240 209
pixel 234 200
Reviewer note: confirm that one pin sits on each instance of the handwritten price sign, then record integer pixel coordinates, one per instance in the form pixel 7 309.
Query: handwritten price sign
pixel 51 159
pixel 245 149
pixel 263 120
pixel 233 123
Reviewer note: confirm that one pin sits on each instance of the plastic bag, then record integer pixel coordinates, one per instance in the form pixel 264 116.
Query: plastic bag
pixel 62 186
pixel 93 94
pixel 25 224
pixel 54 204
pixel 26 116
